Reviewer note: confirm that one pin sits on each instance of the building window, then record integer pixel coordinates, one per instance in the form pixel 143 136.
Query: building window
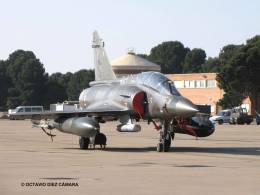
pixel 189 84
pixel 211 83
pixel 179 84
pixel 200 83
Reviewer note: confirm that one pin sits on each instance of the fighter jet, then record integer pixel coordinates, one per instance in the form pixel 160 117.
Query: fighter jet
pixel 148 96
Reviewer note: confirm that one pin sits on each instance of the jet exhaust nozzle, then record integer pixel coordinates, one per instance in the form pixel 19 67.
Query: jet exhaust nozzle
pixel 128 128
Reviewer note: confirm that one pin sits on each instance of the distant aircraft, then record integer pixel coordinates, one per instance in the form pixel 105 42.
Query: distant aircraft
pixel 148 96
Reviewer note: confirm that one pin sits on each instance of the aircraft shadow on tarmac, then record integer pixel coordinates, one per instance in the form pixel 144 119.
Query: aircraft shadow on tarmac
pixel 253 151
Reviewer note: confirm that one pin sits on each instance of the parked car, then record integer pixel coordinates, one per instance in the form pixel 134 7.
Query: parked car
pixel 24 109
pixel 240 116
pixel 222 116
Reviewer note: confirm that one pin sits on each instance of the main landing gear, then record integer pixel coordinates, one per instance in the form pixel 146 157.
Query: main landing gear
pixel 84 143
pixel 99 139
pixel 166 134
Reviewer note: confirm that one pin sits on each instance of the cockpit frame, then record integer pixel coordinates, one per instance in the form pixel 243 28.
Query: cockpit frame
pixel 158 82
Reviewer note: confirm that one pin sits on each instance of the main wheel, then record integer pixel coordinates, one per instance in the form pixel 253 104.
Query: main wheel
pixel 220 122
pixel 240 121
pixel 101 140
pixel 159 147
pixel 167 143
pixel 172 135
pixel 84 143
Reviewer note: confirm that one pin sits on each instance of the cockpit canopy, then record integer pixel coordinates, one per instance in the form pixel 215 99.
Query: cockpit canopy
pixel 157 81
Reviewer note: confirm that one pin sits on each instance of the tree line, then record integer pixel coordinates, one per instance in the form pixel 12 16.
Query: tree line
pixel 23 80
pixel 174 57
pixel 240 75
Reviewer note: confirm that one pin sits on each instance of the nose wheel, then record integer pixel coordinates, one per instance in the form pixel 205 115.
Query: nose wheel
pixel 165 138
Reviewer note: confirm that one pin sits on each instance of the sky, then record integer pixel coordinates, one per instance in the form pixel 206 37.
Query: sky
pixel 59 32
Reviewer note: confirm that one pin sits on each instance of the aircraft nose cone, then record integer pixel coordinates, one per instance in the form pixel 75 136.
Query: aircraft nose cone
pixel 182 107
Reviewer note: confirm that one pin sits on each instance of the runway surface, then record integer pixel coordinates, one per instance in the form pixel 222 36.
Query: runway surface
pixel 228 162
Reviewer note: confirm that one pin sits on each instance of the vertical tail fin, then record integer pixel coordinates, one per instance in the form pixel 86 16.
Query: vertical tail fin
pixel 103 69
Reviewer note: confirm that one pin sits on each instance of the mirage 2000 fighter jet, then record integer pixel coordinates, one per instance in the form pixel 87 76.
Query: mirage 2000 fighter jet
pixel 148 96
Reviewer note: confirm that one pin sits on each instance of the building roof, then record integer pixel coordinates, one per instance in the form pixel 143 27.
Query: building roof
pixel 192 76
pixel 131 61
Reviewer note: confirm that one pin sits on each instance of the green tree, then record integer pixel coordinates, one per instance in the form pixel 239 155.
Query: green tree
pixel 231 99
pixel 56 88
pixel 79 81
pixel 194 60
pixel 227 52
pixel 169 55
pixel 240 76
pixel 28 79
pixel 4 85
pixel 61 79
pixel 211 65
pixel 145 56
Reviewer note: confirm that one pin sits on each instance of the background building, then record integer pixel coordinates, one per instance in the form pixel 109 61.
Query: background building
pixel 202 89
pixel 130 63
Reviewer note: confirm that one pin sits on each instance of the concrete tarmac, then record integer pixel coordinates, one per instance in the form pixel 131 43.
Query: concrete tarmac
pixel 227 162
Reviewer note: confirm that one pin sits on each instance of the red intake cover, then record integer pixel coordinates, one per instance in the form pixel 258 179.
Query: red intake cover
pixel 137 103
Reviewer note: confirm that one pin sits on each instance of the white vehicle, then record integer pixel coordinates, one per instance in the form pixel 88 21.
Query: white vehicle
pixel 222 116
pixel 26 109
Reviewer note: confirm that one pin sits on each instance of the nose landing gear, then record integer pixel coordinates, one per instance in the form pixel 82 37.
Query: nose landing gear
pixel 165 138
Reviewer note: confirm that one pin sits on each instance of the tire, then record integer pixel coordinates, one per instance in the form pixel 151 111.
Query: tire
pixel 220 122
pixel 84 143
pixel 240 121
pixel 172 135
pixel 167 145
pixel 231 121
pixel 101 140
pixel 159 147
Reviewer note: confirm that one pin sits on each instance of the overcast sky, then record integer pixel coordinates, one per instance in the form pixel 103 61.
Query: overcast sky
pixel 59 32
